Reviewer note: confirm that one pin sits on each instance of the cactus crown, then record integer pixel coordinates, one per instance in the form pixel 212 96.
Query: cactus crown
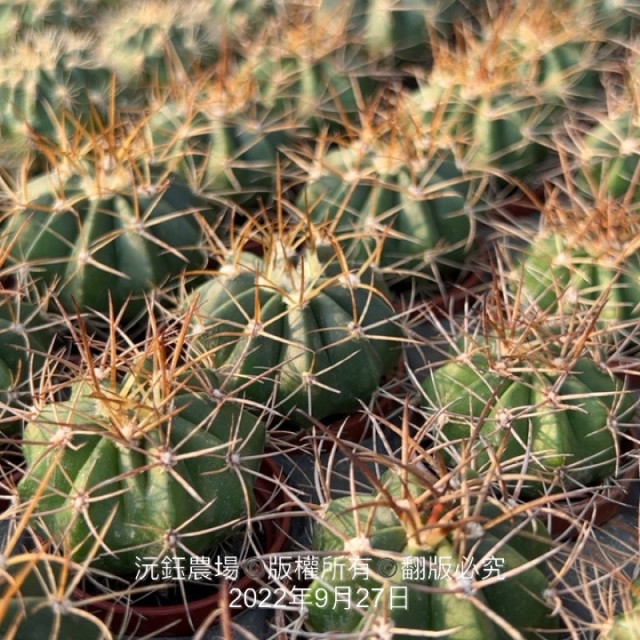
pixel 134 385
pixel 109 156
pixel 157 40
pixel 299 259
pixel 609 228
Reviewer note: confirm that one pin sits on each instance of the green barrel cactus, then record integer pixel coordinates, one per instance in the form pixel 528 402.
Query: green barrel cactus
pixel 410 216
pixel 585 269
pixel 143 468
pixel 25 338
pixel 501 95
pixel 106 230
pixel 548 52
pixel 426 562
pixel 551 420
pixel 216 138
pixel 497 131
pixel 49 80
pixel 18 17
pixel 157 42
pixel 289 332
pixel 311 79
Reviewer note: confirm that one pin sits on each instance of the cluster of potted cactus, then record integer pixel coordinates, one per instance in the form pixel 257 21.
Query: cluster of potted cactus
pixel 225 221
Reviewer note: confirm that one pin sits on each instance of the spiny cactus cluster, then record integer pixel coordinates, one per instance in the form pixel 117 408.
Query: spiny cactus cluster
pixel 231 230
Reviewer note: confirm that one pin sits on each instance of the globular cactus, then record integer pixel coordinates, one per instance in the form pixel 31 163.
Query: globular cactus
pixel 216 136
pixel 606 158
pixel 518 394
pixel 296 333
pixel 309 77
pixel 25 339
pixel 405 210
pixel 552 52
pixel 426 549
pixel 500 96
pixel 498 132
pixel 141 460
pixel 154 42
pixel 18 17
pixel 50 81
pixel 104 228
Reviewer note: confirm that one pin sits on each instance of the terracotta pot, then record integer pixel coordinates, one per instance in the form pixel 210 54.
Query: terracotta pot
pixel 181 619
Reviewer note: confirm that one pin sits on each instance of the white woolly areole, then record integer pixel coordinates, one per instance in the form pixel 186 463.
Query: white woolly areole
pixel 350 279
pixel 357 546
pixel 474 530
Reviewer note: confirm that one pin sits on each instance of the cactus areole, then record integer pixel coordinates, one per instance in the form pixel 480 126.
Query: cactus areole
pixel 285 330
pixel 116 477
pixel 430 568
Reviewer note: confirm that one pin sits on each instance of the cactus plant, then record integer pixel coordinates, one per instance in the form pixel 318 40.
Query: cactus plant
pixel 500 95
pixel 140 460
pixel 309 77
pixel 292 187
pixel 409 519
pixel 50 80
pixel 497 132
pixel 21 16
pixel 406 210
pixel 518 393
pixel 25 338
pixel 104 227
pixel 585 260
pixel 290 330
pixel 607 158
pixel 213 133
pixel 154 42
pixel 551 51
